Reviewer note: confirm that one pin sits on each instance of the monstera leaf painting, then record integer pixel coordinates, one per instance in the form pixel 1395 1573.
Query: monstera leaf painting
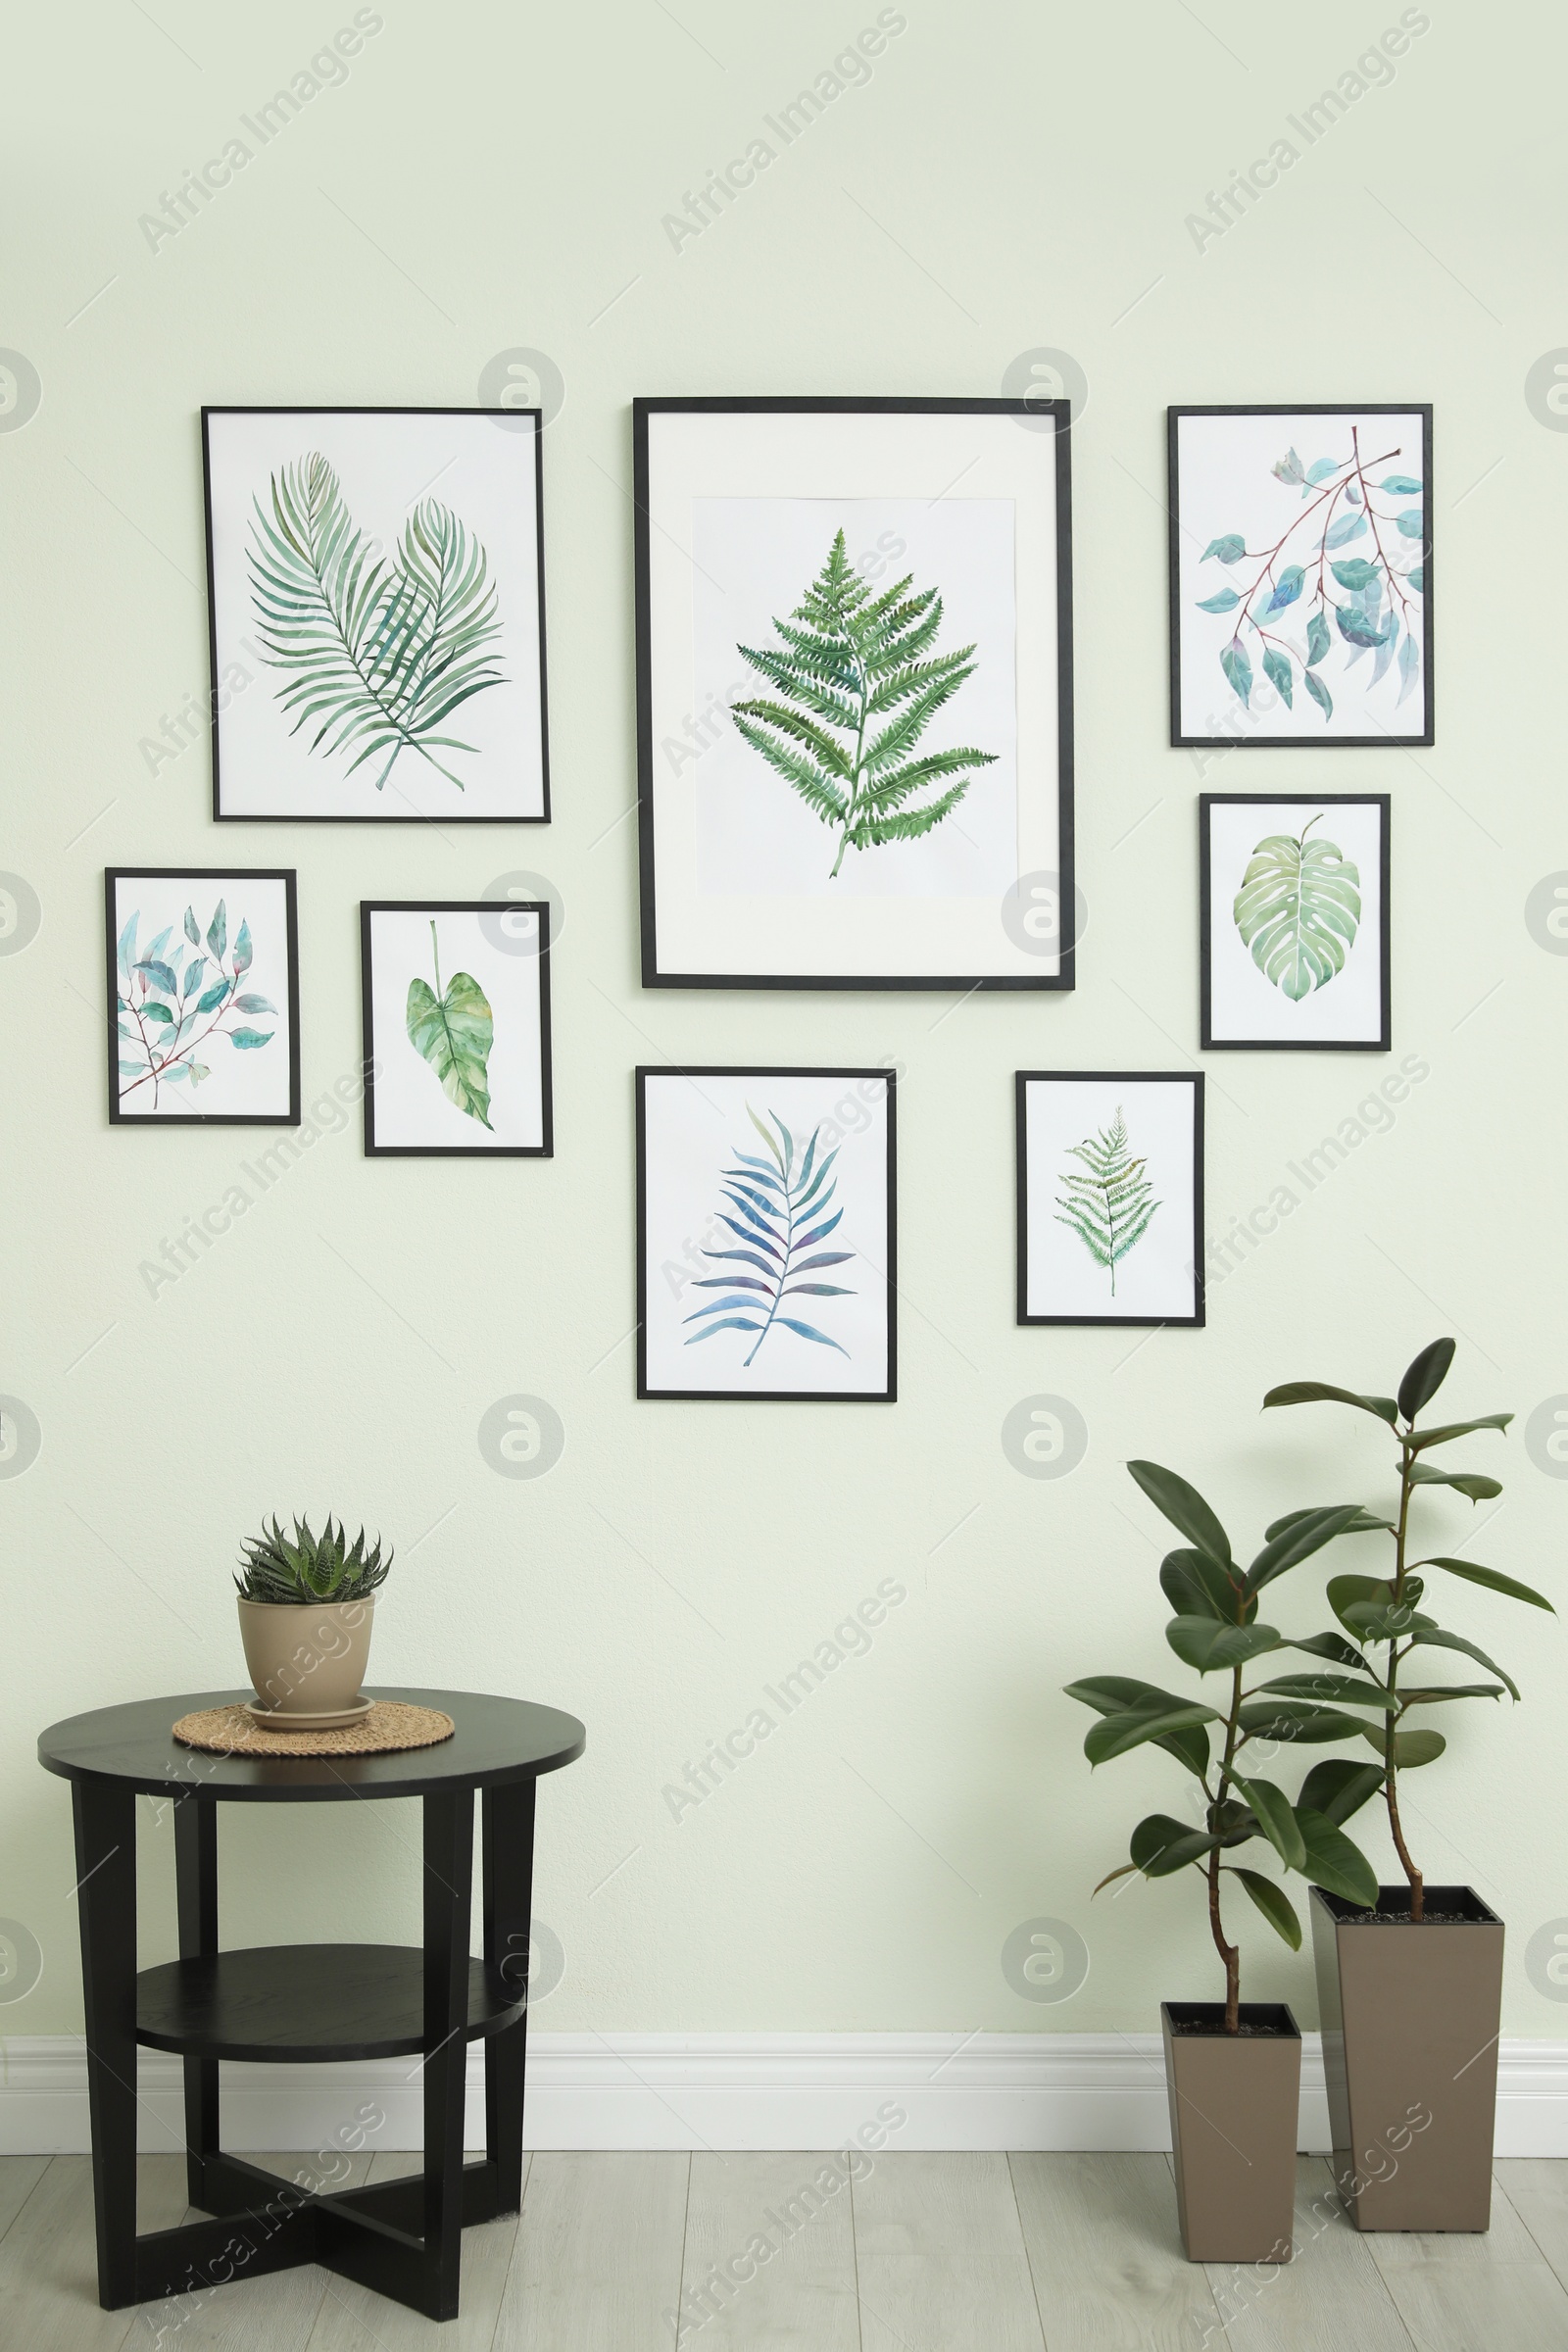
pixel 775 1210
pixel 1299 910
pixel 452 1030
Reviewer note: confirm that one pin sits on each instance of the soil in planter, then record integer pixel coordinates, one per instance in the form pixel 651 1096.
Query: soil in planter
pixel 1206 2032
pixel 1402 1919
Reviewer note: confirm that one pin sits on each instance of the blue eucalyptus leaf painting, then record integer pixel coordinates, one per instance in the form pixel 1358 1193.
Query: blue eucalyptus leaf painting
pixel 767 1250
pixel 1299 569
pixel 194 1037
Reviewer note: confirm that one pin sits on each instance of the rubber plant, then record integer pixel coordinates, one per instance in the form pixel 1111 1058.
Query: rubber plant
pixel 1217 1630
pixel 1384 1613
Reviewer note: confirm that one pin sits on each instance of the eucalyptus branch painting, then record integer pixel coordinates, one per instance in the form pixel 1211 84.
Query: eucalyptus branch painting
pixel 454 1030
pixel 1303 578
pixel 197 1030
pixel 858 684
pixel 378 616
pixel 375 653
pixel 1295 921
pixel 778 1209
pixel 766 1246
pixel 1298 909
pixel 1111 1207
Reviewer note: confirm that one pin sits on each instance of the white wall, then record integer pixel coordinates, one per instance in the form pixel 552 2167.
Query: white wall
pixel 1010 178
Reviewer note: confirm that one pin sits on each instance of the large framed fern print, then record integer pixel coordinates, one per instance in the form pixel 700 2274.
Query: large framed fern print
pixel 766 1235
pixel 377 615
pixel 1295 921
pixel 1110 1196
pixel 204 1002
pixel 854 646
pixel 1301 576
pixel 457 1028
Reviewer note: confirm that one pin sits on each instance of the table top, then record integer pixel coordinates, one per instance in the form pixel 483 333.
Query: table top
pixel 497 1740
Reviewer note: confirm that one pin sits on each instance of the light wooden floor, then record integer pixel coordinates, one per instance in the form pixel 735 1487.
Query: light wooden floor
pixel 924 2253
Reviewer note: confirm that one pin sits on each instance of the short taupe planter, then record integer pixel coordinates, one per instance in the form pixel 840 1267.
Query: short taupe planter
pixel 307 1659
pixel 1410 2021
pixel 1234 2099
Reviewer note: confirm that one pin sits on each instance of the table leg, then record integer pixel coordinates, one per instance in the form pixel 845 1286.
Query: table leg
pixel 507 1839
pixel 196 1892
pixel 447 1898
pixel 106 1904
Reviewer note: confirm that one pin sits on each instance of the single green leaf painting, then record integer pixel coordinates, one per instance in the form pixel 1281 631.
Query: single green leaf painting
pixel 1111 1207
pixel 167 1009
pixel 375 653
pixel 1298 909
pixel 857 686
pixel 776 1209
pixel 1369 602
pixel 452 1030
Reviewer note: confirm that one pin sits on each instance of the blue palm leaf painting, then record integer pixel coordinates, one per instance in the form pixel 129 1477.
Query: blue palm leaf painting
pixel 777 1210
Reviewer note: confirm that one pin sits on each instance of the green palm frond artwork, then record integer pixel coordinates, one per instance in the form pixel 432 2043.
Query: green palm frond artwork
pixel 856 695
pixel 375 653
pixel 1298 909
pixel 1110 1208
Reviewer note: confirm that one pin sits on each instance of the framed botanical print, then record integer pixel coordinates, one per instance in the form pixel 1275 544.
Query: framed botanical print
pixel 1301 575
pixel 855 693
pixel 457 1028
pixel 767 1236
pixel 375 582
pixel 204 996
pixel 1295 921
pixel 1110 1196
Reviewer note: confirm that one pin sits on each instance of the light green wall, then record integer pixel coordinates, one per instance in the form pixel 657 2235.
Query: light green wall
pixel 1008 178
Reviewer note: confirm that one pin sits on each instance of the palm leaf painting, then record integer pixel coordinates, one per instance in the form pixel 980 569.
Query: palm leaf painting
pixel 1298 909
pixel 778 1210
pixel 454 1031
pixel 377 653
pixel 846 662
pixel 172 1002
pixel 1111 1208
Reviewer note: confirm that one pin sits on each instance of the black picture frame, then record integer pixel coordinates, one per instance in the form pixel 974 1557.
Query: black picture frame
pixel 1209 801
pixel 501 421
pixel 748 1397
pixel 540 909
pixel 1031 412
pixel 1320 742
pixel 114 875
pixel 1022 1081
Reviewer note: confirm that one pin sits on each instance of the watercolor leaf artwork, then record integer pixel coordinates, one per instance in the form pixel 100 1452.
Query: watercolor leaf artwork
pixel 778 1210
pixel 1298 909
pixel 1349 568
pixel 173 1001
pixel 377 653
pixel 452 1030
pixel 857 696
pixel 1111 1208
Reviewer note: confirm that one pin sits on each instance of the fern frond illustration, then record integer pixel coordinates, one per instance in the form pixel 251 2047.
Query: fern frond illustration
pixel 453 1033
pixel 377 653
pixel 1109 1209
pixel 1298 909
pixel 847 659
pixel 776 1209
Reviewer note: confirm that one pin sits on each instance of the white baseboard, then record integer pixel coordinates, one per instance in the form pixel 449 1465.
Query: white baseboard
pixel 732 2091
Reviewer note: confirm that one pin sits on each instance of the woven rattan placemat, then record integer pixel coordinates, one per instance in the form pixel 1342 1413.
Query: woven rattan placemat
pixel 230 1732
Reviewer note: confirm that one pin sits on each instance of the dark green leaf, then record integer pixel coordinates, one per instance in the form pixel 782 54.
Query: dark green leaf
pixel 1318 1392
pixel 1185 1508
pixel 1161 1844
pixel 1308 1533
pixel 1332 1862
pixel 1115 1693
pixel 1425 1377
pixel 1432 1694
pixel 1491 1578
pixel 1411 1749
pixel 1467 1482
pixel 1116 1735
pixel 1211 1646
pixel 1338 1787
pixel 1440 1434
pixel 1346 1593
pixel 1272 1808
pixel 1333 1691
pixel 1273 1902
pixel 1381 1620
pixel 1365 1525
pixel 1127 1870
pixel 1196 1587
pixel 1291 1719
pixel 1433 1636
pixel 1330 1646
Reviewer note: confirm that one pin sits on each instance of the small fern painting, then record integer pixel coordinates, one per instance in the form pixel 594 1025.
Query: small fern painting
pixel 1110 1190
pixel 376 615
pixel 857 680
pixel 766 1252
pixel 457 1028
pixel 1295 908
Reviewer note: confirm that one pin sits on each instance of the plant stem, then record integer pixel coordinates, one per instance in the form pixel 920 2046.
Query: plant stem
pixel 784 1270
pixel 854 774
pixel 1390 1789
pixel 1366 496
pixel 435 956
pixel 1229 1952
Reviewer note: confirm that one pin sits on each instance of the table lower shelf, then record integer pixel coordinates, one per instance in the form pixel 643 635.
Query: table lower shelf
pixel 305 2003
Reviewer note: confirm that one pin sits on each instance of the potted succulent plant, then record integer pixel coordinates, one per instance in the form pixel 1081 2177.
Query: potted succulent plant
pixel 1233 2067
pixel 1410 1984
pixel 306 1610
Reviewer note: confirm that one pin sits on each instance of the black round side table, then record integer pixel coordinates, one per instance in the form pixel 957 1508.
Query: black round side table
pixel 294 2002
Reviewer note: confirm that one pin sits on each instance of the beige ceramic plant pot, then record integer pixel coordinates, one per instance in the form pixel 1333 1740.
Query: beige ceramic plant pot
pixel 306 1660
pixel 1234 2102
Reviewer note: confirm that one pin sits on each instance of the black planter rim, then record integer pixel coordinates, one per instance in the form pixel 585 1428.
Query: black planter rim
pixel 1346 1913
pixel 1209 2017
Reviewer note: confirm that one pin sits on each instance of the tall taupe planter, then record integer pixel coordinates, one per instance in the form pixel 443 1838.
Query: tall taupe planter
pixel 1234 2103
pixel 1410 2021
